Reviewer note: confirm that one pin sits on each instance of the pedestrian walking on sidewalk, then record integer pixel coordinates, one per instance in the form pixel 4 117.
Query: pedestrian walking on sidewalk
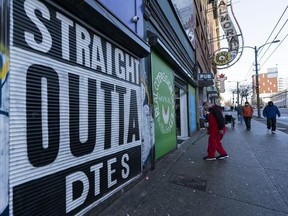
pixel 239 113
pixel 270 111
pixel 247 112
pixel 216 130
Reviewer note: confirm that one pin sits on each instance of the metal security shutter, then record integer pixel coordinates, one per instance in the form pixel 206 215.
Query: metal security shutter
pixel 74 113
pixel 4 107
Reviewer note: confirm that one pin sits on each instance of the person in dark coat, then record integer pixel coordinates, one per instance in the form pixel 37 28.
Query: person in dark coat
pixel 216 131
pixel 270 111
pixel 239 114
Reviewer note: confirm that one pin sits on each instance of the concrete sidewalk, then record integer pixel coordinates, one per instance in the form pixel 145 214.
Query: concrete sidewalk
pixel 252 181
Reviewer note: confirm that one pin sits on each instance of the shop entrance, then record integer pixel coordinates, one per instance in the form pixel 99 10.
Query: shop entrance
pixel 181 113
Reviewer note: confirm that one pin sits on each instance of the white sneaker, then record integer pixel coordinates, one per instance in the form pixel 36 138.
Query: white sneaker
pixel 273 132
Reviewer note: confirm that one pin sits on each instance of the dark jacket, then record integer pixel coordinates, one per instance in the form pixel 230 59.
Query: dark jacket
pixel 216 119
pixel 270 111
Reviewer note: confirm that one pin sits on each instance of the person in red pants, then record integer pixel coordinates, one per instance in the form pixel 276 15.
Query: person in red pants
pixel 216 131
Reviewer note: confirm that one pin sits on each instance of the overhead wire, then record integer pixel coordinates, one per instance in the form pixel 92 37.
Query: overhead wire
pixel 275 28
pixel 275 49
pixel 273 40
pixel 249 71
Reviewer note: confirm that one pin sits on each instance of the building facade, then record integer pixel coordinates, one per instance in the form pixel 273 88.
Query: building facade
pixel 71 103
pixel 282 83
pixel 268 84
pixel 280 99
pixel 93 94
pixel 171 70
pixel 207 42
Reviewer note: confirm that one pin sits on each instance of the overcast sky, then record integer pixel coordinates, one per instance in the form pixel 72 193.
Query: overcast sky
pixel 257 19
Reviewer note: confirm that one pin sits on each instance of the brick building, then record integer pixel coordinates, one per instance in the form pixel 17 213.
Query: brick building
pixel 268 84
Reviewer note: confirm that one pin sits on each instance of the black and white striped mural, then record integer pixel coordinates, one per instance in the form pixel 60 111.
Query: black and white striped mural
pixel 4 107
pixel 75 116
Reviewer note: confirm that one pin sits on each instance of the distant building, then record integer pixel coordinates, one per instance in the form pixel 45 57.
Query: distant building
pixel 282 84
pixel 280 99
pixel 268 84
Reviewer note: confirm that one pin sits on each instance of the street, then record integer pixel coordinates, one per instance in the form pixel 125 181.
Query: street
pixel 252 181
pixel 282 122
pixel 284 116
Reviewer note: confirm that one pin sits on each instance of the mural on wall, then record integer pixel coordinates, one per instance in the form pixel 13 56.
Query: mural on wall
pixel 185 12
pixel 4 130
pixel 75 113
pixel 4 107
pixel 164 106
pixel 148 136
pixel 134 19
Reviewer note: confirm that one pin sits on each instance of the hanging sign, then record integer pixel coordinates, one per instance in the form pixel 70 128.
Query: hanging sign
pixel 227 56
pixel 222 79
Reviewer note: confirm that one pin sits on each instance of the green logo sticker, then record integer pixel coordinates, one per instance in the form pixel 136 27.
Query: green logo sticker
pixel 164 103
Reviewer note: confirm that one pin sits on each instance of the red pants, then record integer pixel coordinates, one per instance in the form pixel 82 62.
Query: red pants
pixel 214 143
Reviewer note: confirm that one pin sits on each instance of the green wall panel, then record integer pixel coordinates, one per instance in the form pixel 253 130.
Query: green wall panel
pixel 164 106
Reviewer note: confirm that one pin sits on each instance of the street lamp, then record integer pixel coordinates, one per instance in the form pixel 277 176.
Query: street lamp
pixel 256 50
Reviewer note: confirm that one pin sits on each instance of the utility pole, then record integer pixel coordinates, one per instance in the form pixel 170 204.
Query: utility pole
pixel 257 82
pixel 256 72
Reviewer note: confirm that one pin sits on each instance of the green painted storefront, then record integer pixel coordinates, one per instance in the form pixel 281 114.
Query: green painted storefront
pixel 164 106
